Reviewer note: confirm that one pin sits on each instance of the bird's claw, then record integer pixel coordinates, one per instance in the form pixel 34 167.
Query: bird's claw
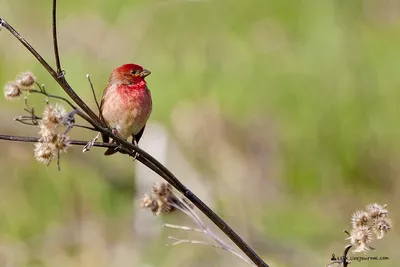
pixel 136 156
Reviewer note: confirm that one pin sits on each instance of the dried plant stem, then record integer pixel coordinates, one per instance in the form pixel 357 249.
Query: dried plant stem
pixel 93 92
pixel 125 147
pixel 184 228
pixel 180 241
pixel 198 242
pixel 184 207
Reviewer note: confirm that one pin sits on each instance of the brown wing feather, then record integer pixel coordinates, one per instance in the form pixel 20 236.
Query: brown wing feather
pixel 106 138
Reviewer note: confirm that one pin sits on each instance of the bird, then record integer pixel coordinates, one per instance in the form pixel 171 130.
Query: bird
pixel 126 104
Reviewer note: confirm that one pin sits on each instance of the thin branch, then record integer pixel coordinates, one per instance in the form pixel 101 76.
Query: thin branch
pixel 93 92
pixel 55 42
pixel 54 96
pixel 31 139
pixel 345 252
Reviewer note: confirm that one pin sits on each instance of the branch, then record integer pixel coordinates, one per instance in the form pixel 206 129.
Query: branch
pixel 127 148
pixel 54 23
pixel 93 92
pixel 31 139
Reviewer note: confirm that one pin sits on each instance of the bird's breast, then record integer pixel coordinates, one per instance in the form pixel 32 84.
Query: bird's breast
pixel 131 108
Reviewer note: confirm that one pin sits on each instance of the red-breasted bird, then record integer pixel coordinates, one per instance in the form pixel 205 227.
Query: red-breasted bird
pixel 126 103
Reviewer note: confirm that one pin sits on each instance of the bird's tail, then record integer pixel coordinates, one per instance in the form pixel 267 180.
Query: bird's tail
pixel 110 151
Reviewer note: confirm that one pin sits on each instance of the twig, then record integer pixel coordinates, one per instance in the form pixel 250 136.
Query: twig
pixel 31 139
pixel 345 252
pixel 93 92
pixel 55 42
pixel 53 96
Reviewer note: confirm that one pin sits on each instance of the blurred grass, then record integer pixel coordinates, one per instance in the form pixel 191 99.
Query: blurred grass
pixel 325 71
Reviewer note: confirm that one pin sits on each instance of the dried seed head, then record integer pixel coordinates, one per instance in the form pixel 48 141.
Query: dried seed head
pixel 47 133
pixel 377 211
pixel 381 226
pixel 54 116
pixel 61 142
pixel 360 218
pixel 360 238
pixel 362 247
pixel 44 152
pixel 164 206
pixel 12 91
pixel 149 203
pixel 26 80
pixel 162 199
pixel 162 189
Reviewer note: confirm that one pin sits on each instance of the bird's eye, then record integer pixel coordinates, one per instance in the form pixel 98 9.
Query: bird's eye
pixel 134 72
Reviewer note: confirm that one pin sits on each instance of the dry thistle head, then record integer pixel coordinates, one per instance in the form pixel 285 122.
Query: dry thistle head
pixel 61 142
pixel 47 133
pixel 149 203
pixel 381 226
pixel 44 152
pixel 54 115
pixel 162 189
pixel 12 91
pixel 360 237
pixel 377 211
pixel 373 219
pixel 162 199
pixel 26 80
pixel 360 218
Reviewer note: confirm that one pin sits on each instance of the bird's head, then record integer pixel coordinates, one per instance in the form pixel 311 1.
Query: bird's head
pixel 129 74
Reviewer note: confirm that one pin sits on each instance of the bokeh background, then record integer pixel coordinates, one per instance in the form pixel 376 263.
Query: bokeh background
pixel 282 115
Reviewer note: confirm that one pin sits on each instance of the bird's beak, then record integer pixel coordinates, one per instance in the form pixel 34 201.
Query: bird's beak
pixel 144 73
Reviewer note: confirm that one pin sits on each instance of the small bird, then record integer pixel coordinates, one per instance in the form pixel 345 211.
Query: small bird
pixel 126 103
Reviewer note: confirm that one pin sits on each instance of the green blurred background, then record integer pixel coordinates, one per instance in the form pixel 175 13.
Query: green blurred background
pixel 286 110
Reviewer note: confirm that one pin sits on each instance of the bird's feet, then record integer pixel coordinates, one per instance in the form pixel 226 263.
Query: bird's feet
pixel 117 148
pixel 135 144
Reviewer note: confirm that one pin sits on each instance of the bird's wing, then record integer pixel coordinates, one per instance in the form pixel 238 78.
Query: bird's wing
pixel 106 138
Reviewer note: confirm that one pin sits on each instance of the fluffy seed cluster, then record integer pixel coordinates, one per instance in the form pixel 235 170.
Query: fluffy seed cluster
pixel 54 116
pixel 51 143
pixel 161 200
pixel 373 220
pixel 23 83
